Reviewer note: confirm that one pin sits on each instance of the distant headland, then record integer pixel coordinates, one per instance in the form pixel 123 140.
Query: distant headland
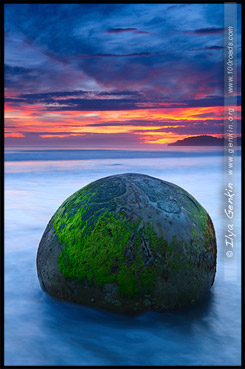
pixel 203 140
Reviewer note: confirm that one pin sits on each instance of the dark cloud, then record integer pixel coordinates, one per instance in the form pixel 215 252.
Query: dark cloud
pixel 39 78
pixel 115 55
pixel 15 70
pixel 47 95
pixel 160 73
pixel 177 6
pixel 14 100
pixel 207 48
pixel 17 78
pixel 129 104
pixel 94 101
pixel 206 31
pixel 122 30
pixel 119 93
pixel 89 98
pixel 126 104
pixel 92 105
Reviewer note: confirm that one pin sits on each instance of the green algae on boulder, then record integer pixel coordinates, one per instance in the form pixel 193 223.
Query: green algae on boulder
pixel 128 243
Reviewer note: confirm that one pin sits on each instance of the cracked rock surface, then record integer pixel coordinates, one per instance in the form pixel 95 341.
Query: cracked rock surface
pixel 129 243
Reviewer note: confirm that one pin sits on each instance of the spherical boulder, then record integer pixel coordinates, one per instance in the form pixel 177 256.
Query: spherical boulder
pixel 128 243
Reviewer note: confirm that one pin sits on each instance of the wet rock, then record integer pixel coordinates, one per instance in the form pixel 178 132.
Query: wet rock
pixel 129 243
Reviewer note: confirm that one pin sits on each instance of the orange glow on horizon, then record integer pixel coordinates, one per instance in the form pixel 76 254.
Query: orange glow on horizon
pixel 21 120
pixel 14 134
pixel 169 137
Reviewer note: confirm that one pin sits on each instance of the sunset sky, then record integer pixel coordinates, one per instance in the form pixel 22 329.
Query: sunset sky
pixel 113 75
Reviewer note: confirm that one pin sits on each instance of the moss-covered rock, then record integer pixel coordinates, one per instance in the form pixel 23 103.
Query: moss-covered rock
pixel 128 243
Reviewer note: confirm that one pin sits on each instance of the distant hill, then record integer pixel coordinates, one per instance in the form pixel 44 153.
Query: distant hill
pixel 203 140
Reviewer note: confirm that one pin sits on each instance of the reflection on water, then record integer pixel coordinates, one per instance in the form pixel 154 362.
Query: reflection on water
pixel 40 330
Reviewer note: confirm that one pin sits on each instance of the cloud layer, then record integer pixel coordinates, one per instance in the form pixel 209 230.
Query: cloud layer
pixel 113 74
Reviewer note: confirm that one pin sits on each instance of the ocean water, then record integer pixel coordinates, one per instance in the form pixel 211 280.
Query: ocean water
pixel 40 330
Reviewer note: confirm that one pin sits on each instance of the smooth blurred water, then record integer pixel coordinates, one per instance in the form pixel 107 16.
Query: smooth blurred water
pixel 40 330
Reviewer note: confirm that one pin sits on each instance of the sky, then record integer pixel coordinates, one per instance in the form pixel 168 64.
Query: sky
pixel 113 75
